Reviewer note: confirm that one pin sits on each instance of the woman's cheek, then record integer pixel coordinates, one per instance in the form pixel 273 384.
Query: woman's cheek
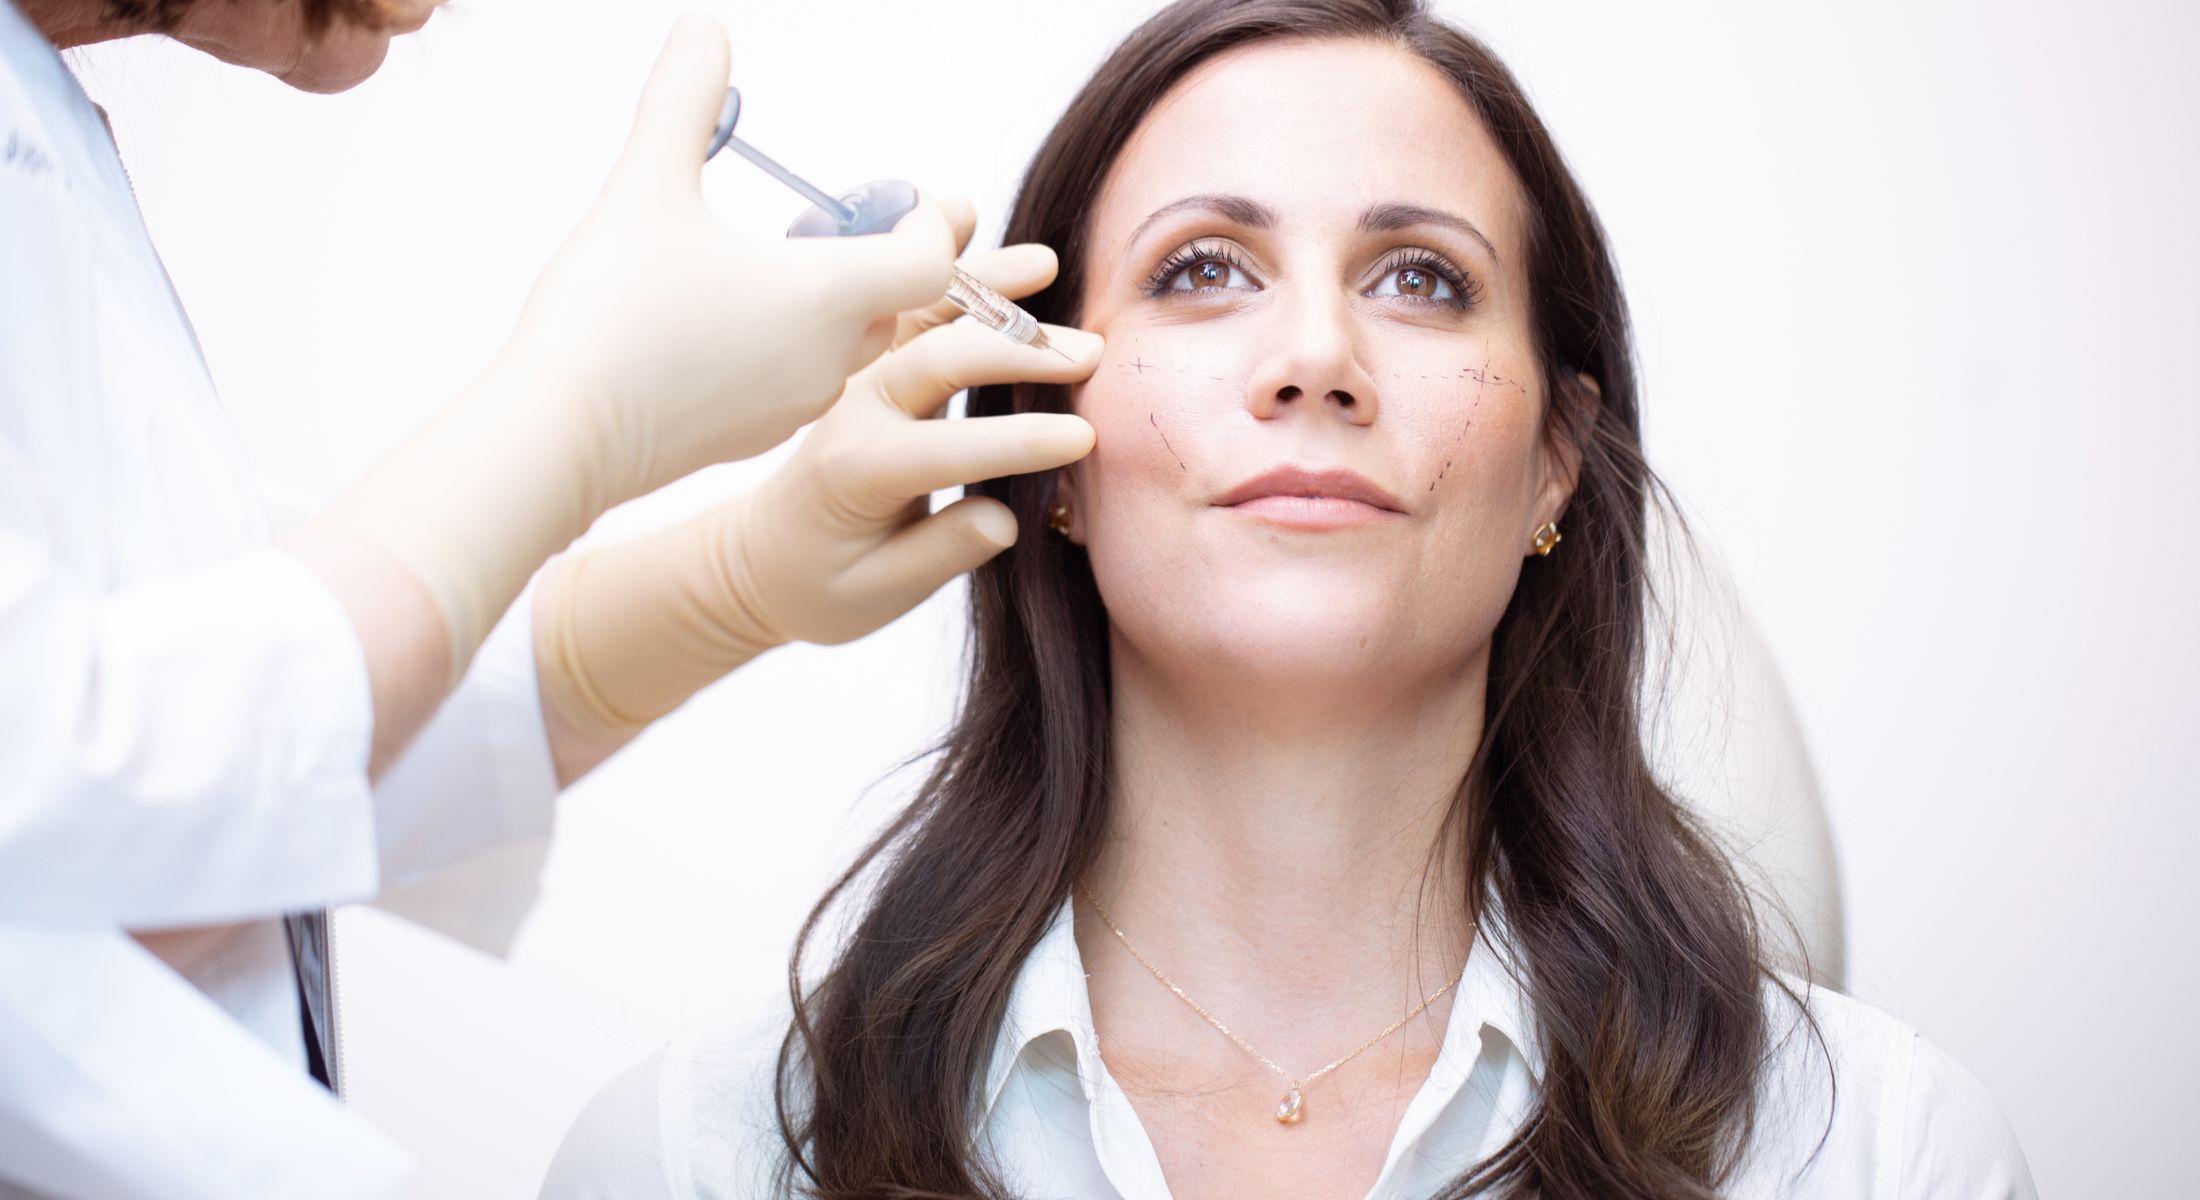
pixel 1160 406
pixel 1470 419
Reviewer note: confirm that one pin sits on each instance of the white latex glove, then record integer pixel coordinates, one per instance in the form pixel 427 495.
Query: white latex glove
pixel 833 546
pixel 656 342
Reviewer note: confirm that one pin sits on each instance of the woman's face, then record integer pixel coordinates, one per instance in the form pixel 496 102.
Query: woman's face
pixel 1320 418
pixel 270 35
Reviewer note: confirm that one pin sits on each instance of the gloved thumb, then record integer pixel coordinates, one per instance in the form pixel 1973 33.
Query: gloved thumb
pixel 679 105
pixel 901 270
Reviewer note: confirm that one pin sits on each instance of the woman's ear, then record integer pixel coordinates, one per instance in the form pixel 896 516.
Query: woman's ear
pixel 1065 497
pixel 1582 396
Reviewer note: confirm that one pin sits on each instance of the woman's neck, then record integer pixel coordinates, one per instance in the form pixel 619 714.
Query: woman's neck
pixel 1278 849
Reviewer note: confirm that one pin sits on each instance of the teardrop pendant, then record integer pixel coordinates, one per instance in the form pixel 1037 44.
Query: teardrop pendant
pixel 1292 1108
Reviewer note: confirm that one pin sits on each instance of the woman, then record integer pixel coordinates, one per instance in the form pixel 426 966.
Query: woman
pixel 1296 836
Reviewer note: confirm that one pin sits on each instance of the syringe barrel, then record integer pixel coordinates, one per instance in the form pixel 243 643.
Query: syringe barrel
pixel 991 309
pixel 876 207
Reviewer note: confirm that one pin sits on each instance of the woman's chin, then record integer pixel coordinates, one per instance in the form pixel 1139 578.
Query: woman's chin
pixel 339 62
pixel 1299 648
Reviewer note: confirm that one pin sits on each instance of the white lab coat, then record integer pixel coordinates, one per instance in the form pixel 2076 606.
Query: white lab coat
pixel 184 727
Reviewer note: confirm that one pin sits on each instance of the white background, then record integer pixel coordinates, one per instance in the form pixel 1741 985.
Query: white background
pixel 1915 302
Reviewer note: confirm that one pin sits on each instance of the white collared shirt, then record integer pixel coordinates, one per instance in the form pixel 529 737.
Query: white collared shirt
pixel 184 726
pixel 695 1121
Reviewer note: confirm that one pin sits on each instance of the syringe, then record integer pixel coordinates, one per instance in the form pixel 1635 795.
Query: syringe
pixel 874 209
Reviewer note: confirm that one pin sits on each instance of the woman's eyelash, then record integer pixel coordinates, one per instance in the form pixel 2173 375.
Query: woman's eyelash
pixel 1466 292
pixel 1183 258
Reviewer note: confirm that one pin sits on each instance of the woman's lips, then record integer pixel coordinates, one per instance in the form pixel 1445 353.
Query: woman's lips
pixel 1311 498
pixel 1312 512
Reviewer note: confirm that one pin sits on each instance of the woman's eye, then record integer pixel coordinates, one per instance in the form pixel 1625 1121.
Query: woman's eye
pixel 1418 282
pixel 1208 274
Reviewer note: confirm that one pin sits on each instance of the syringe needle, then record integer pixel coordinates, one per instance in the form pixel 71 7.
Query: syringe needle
pixel 1039 341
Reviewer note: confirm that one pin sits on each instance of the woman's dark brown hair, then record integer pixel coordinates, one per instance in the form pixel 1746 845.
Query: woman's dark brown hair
pixel 160 15
pixel 1628 929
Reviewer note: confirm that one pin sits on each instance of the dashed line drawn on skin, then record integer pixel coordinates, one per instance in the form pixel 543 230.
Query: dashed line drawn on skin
pixel 1481 382
pixel 1141 366
pixel 1156 423
pixel 1482 375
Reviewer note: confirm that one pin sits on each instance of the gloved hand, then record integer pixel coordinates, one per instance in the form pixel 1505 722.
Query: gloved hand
pixel 833 546
pixel 656 342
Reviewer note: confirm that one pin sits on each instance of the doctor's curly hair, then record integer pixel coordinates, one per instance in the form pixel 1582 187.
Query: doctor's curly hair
pixel 161 15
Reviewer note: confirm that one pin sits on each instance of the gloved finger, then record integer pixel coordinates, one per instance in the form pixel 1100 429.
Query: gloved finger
pixel 879 337
pixel 680 104
pixel 912 564
pixel 925 456
pixel 962 217
pixel 1013 271
pixel 919 378
pixel 882 274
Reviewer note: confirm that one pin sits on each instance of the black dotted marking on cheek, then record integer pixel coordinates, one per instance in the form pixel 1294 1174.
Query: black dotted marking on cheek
pixel 1140 366
pixel 1156 423
pixel 1485 377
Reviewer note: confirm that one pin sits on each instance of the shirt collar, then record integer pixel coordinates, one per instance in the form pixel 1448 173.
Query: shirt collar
pixel 1050 996
pixel 1495 994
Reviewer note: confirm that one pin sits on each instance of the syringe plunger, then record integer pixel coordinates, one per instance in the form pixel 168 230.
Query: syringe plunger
pixel 874 209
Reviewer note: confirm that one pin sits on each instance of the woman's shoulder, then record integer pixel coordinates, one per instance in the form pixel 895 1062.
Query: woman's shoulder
pixel 695 1120
pixel 1856 1102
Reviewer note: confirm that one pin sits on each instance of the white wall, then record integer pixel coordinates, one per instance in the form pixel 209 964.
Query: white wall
pixel 1914 291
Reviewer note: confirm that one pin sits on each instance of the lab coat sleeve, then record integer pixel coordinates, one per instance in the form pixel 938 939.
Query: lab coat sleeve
pixel 463 820
pixel 102 1047
pixel 227 710
pixel 190 750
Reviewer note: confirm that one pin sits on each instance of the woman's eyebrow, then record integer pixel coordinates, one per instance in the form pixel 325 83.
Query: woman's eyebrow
pixel 1243 210
pixel 1383 218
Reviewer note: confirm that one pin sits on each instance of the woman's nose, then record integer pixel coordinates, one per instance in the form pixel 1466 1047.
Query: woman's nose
pixel 1312 365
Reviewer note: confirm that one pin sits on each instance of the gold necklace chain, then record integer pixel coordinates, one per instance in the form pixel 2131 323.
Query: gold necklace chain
pixel 1293 1105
